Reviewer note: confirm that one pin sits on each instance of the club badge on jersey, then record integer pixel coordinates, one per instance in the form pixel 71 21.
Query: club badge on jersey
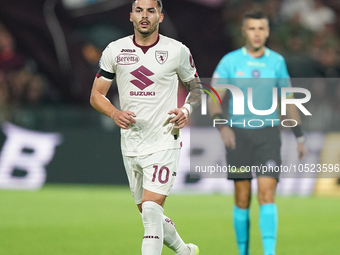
pixel 161 56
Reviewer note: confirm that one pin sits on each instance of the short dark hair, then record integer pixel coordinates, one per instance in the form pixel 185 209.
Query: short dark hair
pixel 159 2
pixel 254 14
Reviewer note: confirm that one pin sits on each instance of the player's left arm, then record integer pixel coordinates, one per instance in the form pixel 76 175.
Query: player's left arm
pixel 193 100
pixel 186 71
pixel 292 110
pixel 293 113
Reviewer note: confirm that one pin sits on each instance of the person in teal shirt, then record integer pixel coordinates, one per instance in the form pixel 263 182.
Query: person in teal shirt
pixel 259 73
pixel 252 139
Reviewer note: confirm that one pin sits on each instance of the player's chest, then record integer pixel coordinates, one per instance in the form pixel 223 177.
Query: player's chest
pixel 156 63
pixel 253 69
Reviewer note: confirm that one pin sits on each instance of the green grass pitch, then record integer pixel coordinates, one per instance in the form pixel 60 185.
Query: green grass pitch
pixel 98 220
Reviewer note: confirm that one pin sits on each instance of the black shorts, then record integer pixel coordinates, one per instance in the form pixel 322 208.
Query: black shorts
pixel 257 152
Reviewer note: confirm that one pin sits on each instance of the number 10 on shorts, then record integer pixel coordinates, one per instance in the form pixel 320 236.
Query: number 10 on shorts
pixel 162 174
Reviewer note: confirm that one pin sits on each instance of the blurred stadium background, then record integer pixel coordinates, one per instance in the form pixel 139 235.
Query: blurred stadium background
pixel 53 142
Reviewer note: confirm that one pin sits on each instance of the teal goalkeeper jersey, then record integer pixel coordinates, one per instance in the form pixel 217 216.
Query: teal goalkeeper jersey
pixel 262 75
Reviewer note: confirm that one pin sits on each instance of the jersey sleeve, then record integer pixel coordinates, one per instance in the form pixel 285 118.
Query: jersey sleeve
pixel 221 70
pixel 106 63
pixel 283 76
pixel 221 74
pixel 186 69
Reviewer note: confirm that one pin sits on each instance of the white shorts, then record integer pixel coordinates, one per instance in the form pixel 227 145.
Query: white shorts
pixel 155 172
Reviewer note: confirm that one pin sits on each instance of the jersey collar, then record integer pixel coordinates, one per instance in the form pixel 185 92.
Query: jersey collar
pixel 144 48
pixel 245 52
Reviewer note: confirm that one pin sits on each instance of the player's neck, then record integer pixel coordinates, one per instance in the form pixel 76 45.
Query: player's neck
pixel 255 53
pixel 146 41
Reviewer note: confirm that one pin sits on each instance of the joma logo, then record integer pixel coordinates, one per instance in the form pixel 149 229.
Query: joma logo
pixel 128 50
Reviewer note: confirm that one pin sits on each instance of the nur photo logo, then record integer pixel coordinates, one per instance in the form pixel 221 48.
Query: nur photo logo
pixel 204 97
pixel 244 101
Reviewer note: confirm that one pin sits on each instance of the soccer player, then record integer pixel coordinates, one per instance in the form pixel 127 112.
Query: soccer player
pixel 147 66
pixel 247 145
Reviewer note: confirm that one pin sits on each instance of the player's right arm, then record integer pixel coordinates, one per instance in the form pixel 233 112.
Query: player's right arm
pixel 216 112
pixel 100 102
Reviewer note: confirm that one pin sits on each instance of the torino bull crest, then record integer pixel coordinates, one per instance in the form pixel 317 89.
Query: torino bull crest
pixel 161 56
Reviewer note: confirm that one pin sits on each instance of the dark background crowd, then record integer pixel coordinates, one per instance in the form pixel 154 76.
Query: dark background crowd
pixel 49 49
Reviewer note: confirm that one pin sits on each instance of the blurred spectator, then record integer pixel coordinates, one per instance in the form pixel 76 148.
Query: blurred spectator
pixel 299 63
pixel 272 9
pixel 320 107
pixel 294 41
pixel 291 9
pixel 325 50
pixel 312 14
pixel 318 16
pixel 19 82
pixel 292 29
pixel 95 37
pixel 35 92
pixel 336 107
pixel 211 3
pixel 9 58
pixel 329 64
pixel 4 98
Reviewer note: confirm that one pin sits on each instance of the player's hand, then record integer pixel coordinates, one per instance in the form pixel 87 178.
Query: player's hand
pixel 228 137
pixel 180 119
pixel 302 150
pixel 124 118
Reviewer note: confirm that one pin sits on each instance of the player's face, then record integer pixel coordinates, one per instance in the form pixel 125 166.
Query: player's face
pixel 146 16
pixel 256 32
